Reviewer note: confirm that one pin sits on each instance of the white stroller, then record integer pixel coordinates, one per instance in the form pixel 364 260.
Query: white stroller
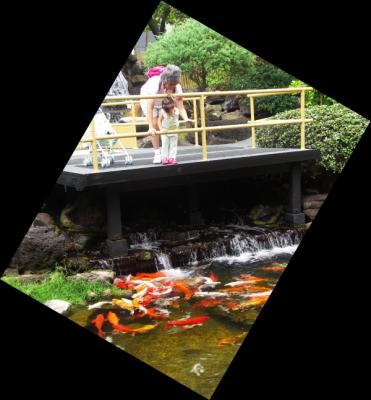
pixel 105 151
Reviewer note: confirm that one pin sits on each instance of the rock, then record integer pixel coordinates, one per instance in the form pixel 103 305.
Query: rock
pixel 60 306
pixel 77 264
pixel 231 115
pixel 91 295
pixel 231 103
pixel 311 213
pixel 44 219
pixel 138 79
pixel 145 142
pixel 215 99
pixel 312 204
pixel 315 197
pixel 107 292
pixel 214 116
pixel 231 135
pixel 95 275
pixel 32 278
pixel 40 249
pixel 211 108
pixel 86 214
pixel 245 110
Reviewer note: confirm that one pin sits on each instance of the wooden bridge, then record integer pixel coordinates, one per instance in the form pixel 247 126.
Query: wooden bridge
pixel 196 164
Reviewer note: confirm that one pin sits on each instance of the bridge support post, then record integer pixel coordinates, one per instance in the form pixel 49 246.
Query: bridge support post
pixel 116 245
pixel 195 216
pixel 294 213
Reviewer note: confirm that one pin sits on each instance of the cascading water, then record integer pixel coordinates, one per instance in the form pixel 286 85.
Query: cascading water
pixel 118 88
pixel 237 245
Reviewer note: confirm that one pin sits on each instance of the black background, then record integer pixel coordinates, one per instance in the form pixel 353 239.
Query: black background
pixel 310 336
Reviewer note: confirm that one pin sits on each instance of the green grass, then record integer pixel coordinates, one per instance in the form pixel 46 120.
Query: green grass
pixel 56 286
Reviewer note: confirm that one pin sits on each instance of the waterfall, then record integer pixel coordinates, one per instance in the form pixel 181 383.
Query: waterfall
pixel 163 261
pixel 236 245
pixel 118 88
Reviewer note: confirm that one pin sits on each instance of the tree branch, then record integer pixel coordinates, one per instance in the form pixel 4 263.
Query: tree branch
pixel 154 27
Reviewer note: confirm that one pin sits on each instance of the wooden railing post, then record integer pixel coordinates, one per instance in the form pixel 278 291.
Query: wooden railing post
pixel 203 127
pixel 195 118
pixel 252 118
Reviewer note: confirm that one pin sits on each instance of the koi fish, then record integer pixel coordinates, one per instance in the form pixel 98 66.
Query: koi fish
pixel 125 329
pixel 210 294
pixel 207 303
pixel 260 294
pixel 140 293
pixel 274 268
pixel 112 318
pixel 99 321
pixel 256 288
pixel 189 321
pixel 231 340
pixel 187 292
pixel 209 282
pixel 142 275
pixel 151 312
pixel 98 305
pixel 252 279
pixel 236 283
pixel 125 304
pixel 145 328
pixel 213 277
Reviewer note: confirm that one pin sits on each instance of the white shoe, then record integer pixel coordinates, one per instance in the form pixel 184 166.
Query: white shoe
pixel 157 158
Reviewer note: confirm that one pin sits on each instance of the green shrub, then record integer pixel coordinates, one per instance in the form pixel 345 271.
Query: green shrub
pixel 266 76
pixel 335 131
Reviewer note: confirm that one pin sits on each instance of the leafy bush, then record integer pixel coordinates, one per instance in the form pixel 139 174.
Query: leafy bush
pixel 335 131
pixel 266 76
pixel 206 56
pixel 313 97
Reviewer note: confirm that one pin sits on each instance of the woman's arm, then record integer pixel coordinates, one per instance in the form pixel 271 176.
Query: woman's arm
pixel 182 110
pixel 150 106
pixel 160 118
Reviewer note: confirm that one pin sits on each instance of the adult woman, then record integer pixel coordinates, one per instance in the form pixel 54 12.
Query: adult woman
pixel 167 82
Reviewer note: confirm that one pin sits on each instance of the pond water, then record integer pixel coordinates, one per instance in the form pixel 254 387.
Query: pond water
pixel 196 353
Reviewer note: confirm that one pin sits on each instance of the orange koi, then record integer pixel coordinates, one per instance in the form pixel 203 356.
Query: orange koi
pixel 207 303
pixel 189 321
pixel 231 340
pixel 254 280
pixel 213 277
pixel 187 292
pixel 255 288
pixel 112 318
pixel 99 321
pixel 273 268
pixel 153 314
pixel 150 275
pixel 143 329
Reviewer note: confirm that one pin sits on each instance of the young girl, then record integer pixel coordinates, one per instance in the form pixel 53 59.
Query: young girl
pixel 169 120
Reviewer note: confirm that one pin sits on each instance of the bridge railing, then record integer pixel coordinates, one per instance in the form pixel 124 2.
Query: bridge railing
pixel 200 98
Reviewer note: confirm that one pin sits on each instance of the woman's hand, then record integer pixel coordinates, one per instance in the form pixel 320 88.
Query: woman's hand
pixel 152 131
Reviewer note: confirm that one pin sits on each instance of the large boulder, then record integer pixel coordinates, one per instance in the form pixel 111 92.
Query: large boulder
pixel 42 247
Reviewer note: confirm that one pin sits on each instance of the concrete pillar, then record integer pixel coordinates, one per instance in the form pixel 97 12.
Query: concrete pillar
pixel 116 245
pixel 294 213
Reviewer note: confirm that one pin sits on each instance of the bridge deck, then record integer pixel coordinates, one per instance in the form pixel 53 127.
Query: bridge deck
pixel 222 159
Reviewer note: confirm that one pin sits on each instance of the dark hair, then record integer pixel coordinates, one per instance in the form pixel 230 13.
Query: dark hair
pixel 168 103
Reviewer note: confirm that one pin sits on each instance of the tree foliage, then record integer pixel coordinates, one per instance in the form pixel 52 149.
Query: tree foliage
pixel 266 76
pixel 313 97
pixel 207 57
pixel 165 14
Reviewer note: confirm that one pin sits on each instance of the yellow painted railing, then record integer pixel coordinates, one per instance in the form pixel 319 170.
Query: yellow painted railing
pixel 200 97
